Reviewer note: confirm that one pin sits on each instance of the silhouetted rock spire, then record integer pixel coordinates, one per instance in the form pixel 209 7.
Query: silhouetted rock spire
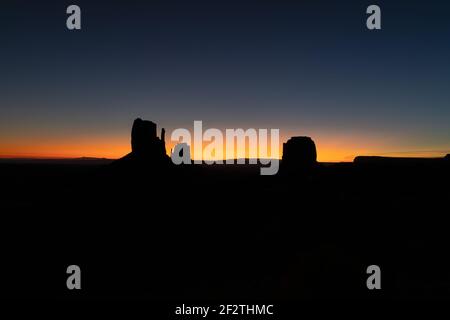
pixel 163 136
pixel 146 147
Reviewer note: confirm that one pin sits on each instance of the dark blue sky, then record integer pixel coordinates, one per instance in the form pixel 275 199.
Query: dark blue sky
pixel 306 67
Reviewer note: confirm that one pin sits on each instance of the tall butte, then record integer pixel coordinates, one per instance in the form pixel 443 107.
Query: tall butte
pixel 299 155
pixel 146 147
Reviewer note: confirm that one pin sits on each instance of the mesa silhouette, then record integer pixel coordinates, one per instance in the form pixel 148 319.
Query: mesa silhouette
pixel 146 147
pixel 299 153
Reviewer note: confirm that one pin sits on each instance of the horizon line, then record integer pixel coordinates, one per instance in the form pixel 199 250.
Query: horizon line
pixel 88 158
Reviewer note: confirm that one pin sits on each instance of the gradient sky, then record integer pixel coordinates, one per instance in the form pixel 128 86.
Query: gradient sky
pixel 306 67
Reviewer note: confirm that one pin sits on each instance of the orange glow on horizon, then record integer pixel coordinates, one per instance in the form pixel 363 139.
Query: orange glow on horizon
pixel 96 148
pixel 340 149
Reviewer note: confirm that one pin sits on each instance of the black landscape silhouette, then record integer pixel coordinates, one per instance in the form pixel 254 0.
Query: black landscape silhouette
pixel 143 227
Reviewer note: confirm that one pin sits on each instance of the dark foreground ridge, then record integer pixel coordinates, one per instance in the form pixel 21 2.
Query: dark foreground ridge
pixel 225 232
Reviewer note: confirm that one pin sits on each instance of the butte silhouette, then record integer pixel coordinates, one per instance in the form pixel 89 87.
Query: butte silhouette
pixel 299 155
pixel 146 148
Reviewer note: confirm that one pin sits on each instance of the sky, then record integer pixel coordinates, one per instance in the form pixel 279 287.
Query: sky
pixel 309 68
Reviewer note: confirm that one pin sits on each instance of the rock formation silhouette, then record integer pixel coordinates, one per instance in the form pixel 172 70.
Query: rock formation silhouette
pixel 397 161
pixel 146 147
pixel 299 153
